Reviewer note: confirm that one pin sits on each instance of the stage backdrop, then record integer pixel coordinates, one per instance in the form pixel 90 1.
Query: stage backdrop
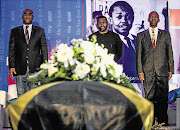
pixel 64 20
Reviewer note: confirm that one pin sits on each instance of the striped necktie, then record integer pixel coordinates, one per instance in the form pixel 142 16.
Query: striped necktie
pixel 153 38
pixel 27 35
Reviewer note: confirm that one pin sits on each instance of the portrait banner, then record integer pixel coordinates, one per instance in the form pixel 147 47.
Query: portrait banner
pixel 126 18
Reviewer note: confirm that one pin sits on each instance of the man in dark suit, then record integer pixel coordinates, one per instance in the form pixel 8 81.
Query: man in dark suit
pixel 109 39
pixel 27 51
pixel 155 65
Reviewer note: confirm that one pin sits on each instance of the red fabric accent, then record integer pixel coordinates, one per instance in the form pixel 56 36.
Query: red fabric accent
pixel 153 44
pixel 10 81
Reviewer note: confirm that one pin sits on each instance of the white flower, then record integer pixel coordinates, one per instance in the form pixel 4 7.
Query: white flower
pixel 99 50
pixel 98 66
pixel 64 53
pixel 52 70
pixel 71 62
pixel 97 59
pixel 106 50
pixel 81 70
pixel 51 61
pixel 108 60
pixel 116 71
pixel 87 46
pixel 89 57
pixel 76 61
pixel 80 40
pixel 118 80
pixel 103 70
pixel 95 68
pixel 45 66
pixel 66 64
pixel 50 67
pixel 74 40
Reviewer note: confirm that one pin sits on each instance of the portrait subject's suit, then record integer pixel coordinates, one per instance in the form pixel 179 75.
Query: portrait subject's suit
pixel 128 59
pixel 19 52
pixel 155 64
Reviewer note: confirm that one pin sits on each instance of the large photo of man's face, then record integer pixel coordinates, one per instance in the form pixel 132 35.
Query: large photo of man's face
pixel 121 17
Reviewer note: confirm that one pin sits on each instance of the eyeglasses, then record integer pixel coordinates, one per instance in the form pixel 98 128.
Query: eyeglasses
pixel 102 22
pixel 28 14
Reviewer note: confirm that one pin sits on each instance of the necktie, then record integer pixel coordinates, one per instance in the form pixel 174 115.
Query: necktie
pixel 129 42
pixel 153 38
pixel 27 35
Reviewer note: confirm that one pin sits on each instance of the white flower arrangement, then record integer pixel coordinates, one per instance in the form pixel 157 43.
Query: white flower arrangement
pixel 83 60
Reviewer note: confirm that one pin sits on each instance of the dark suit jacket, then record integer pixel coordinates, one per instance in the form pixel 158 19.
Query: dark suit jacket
pixel 128 59
pixel 19 52
pixel 159 59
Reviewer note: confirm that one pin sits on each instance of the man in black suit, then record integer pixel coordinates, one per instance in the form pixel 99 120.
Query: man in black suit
pixel 109 39
pixel 155 65
pixel 27 51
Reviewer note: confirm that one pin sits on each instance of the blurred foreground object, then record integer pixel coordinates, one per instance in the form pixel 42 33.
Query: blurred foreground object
pixel 81 105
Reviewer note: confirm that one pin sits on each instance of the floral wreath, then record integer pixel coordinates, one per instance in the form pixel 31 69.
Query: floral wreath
pixel 83 60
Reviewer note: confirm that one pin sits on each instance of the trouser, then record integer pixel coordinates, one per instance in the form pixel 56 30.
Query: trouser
pixel 156 90
pixel 22 84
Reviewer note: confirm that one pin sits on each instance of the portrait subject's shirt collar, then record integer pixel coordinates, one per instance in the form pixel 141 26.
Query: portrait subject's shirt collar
pixel 123 37
pixel 125 41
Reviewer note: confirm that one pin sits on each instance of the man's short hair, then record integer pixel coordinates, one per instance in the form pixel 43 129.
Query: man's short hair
pixel 101 17
pixel 124 6
pixel 29 10
pixel 153 12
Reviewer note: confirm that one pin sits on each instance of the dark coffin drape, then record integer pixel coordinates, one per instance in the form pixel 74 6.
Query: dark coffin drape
pixel 81 105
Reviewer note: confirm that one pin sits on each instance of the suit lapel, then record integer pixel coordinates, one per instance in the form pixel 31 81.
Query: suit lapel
pixel 33 32
pixel 148 38
pixel 158 37
pixel 21 32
